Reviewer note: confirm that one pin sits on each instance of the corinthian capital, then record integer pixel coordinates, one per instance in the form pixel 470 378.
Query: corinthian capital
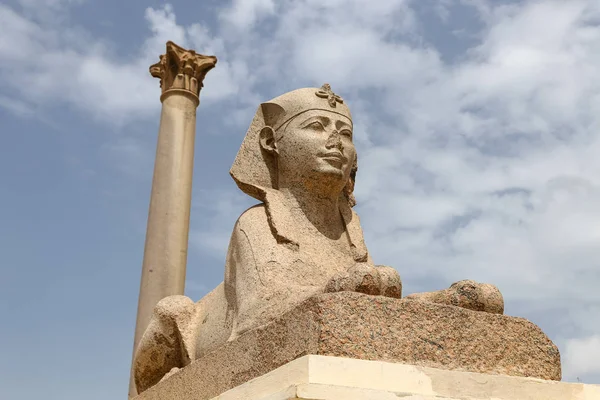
pixel 182 70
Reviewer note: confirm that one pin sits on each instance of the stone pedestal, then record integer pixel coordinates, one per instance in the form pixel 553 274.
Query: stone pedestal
pixel 334 378
pixel 380 329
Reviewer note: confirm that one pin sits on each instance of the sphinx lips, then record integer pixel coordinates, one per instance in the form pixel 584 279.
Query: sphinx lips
pixel 336 160
pixel 334 156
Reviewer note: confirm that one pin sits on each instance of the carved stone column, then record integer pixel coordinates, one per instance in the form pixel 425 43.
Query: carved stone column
pixel 181 74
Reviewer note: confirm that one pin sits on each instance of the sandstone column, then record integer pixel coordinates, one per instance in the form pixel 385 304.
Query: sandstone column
pixel 181 74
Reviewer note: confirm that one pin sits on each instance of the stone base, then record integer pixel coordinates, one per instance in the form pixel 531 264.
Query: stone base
pixel 333 378
pixel 357 326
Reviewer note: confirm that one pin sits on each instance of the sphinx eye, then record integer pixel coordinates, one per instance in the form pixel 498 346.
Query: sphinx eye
pixel 316 125
pixel 346 132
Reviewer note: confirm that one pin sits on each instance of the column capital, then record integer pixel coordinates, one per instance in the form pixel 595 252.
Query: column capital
pixel 181 70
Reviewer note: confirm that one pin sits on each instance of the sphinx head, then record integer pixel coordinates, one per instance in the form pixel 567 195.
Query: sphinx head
pixel 301 139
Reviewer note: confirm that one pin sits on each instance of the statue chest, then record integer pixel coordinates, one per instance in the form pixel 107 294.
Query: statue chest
pixel 313 263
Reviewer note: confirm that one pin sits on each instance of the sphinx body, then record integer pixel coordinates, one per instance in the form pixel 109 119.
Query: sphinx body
pixel 303 238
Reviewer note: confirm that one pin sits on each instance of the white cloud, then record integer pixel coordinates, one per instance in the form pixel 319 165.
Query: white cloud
pixel 243 14
pixel 583 355
pixel 164 27
pixel 68 65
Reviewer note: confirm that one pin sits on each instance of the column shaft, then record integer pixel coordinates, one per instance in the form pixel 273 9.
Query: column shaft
pixel 165 251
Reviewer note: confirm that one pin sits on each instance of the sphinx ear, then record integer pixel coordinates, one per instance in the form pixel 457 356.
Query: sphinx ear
pixel 267 140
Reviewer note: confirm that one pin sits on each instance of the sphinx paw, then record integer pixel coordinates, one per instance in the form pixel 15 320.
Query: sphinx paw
pixel 391 284
pixel 476 296
pixel 361 278
pixel 466 294
pixel 367 279
pixel 340 282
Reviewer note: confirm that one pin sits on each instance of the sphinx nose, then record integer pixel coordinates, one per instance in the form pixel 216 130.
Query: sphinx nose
pixel 334 141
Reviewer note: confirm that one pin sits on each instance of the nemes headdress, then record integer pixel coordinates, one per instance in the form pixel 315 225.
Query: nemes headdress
pixel 254 173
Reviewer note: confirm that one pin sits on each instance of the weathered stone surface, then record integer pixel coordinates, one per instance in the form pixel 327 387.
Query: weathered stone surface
pixel 359 326
pixel 367 279
pixel 334 378
pixel 169 340
pixel 182 70
pixel 466 294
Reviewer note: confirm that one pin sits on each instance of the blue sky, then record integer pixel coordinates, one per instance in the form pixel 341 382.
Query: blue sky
pixel 476 123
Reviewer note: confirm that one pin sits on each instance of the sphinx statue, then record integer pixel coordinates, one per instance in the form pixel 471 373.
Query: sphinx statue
pixel 303 238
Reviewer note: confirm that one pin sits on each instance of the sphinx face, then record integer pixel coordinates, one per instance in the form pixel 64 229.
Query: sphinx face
pixel 315 150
